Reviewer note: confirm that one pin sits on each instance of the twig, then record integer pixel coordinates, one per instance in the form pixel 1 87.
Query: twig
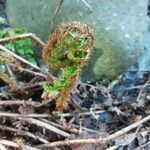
pixel 9 143
pixel 87 5
pixel 18 102
pixel 84 128
pixel 46 126
pixel 55 13
pixel 71 130
pixel 15 145
pixel 112 148
pixel 29 71
pixel 144 145
pixel 27 147
pixel 45 102
pixel 117 110
pixel 101 89
pixel 99 140
pixel 92 86
pixel 136 87
pixel 140 93
pixel 106 90
pixel 23 133
pixel 79 114
pixel 29 86
pixel 73 142
pixel 25 35
pixel 14 115
pixel 75 104
pixel 126 129
pixel 113 83
pixel 2 147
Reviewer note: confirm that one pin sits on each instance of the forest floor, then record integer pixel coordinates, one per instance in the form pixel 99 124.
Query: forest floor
pixel 97 117
pixel 113 117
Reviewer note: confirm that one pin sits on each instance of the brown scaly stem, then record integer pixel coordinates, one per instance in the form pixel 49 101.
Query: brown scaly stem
pixel 64 94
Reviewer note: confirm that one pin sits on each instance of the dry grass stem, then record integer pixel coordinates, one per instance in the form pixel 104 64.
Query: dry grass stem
pixel 21 36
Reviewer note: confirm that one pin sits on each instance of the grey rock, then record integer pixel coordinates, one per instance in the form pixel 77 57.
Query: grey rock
pixel 144 59
pixel 118 27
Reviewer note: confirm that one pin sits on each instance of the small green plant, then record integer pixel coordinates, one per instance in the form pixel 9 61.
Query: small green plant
pixel 22 47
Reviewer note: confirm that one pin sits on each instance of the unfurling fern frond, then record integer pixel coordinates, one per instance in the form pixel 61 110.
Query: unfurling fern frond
pixel 68 48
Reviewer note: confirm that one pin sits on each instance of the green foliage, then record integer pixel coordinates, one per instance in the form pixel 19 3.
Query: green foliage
pixel 20 30
pixel 3 32
pixel 55 87
pixel 70 71
pixel 22 47
pixel 60 84
pixel 75 44
pixel 69 54
pixel 31 59
pixel 75 52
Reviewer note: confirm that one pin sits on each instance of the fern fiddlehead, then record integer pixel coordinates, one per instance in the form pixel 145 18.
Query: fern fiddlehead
pixel 68 49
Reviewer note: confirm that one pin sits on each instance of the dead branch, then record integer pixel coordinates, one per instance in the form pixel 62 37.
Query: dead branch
pixel 29 86
pixel 55 13
pixel 79 114
pixel 136 87
pixel 73 142
pixel 9 143
pixel 99 88
pixel 27 147
pixel 21 69
pixel 99 140
pixel 84 128
pixel 16 145
pixel 140 93
pixel 46 126
pixel 23 133
pixel 71 130
pixel 14 115
pixel 2 147
pixel 18 102
pixel 126 129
